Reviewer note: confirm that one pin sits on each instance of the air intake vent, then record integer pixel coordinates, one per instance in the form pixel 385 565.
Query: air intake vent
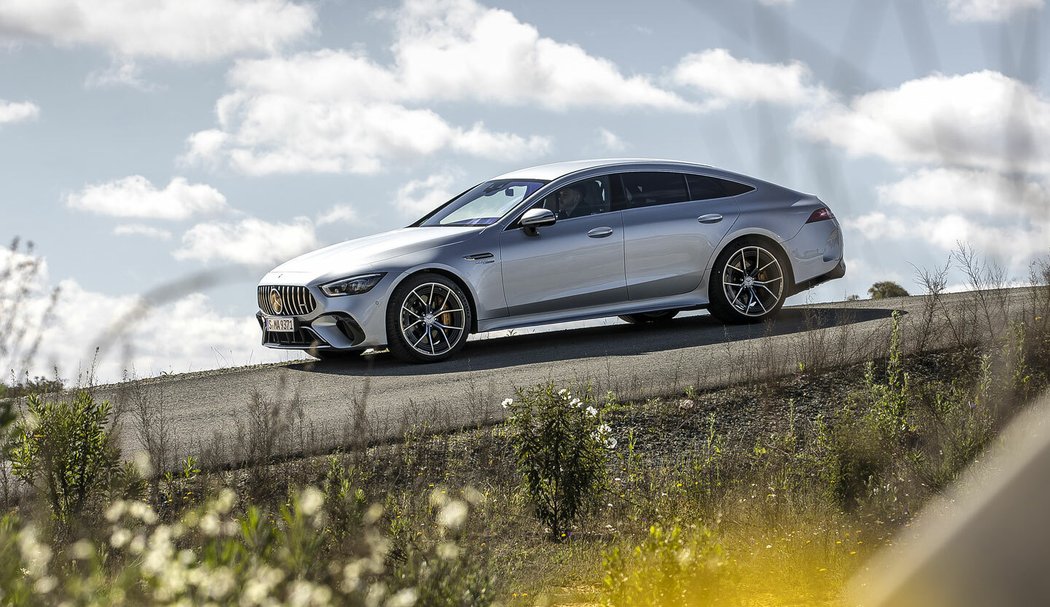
pixel 284 300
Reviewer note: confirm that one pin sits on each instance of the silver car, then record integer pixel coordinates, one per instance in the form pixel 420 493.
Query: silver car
pixel 638 239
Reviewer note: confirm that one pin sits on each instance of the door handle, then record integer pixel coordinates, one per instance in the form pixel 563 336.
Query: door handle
pixel 600 232
pixel 709 218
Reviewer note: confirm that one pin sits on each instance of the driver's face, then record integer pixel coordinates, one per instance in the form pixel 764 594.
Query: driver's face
pixel 569 197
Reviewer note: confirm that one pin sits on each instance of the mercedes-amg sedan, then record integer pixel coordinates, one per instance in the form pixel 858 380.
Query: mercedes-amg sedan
pixel 638 239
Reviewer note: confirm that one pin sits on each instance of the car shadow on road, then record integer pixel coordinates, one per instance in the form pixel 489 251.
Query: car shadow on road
pixel 588 342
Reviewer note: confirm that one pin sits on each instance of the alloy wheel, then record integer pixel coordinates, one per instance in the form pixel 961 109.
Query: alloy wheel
pixel 753 281
pixel 432 319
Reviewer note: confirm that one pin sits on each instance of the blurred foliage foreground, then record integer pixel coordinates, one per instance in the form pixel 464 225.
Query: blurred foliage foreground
pixel 574 498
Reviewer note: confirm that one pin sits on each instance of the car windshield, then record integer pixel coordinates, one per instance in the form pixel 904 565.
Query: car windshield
pixel 483 204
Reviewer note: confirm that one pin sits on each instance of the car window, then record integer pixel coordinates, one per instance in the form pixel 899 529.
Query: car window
pixel 702 187
pixel 483 204
pixel 649 189
pixel 579 199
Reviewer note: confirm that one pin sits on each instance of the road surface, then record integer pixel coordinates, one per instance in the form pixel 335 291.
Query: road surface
pixel 305 406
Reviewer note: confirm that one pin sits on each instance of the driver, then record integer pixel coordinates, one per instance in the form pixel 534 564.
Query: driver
pixel 569 199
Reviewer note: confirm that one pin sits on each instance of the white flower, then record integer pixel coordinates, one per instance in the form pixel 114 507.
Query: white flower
pixel 310 501
pixel 116 510
pixel 119 538
pixel 404 598
pixel 227 498
pixel 575 402
pixel 592 411
pixel 610 443
pixel 448 551
pixel 563 393
pixel 453 515
pixel 507 402
pixel 604 429
pixel 210 524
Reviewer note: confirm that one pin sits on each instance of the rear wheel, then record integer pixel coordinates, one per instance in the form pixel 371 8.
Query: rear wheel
pixel 650 318
pixel 428 319
pixel 748 282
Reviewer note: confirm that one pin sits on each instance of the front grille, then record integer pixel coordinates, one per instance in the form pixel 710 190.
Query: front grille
pixel 296 301
pixel 300 337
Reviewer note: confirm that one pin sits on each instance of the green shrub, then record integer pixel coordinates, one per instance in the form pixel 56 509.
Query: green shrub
pixel 672 567
pixel 439 570
pixel 560 445
pixel 63 449
pixel 212 555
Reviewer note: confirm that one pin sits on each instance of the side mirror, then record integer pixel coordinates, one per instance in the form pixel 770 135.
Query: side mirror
pixel 537 218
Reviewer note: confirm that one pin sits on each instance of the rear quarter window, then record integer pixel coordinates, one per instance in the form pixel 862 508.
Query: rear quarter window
pixel 702 187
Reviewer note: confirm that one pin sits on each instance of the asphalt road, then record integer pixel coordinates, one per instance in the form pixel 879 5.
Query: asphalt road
pixel 312 406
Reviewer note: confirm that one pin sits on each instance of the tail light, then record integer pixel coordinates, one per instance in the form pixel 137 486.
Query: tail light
pixel 821 214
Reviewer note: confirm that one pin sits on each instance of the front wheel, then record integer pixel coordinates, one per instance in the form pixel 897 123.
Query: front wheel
pixel 428 319
pixel 649 318
pixel 748 282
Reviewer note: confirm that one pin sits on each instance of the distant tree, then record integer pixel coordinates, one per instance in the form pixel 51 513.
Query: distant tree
pixel 886 288
pixel 853 297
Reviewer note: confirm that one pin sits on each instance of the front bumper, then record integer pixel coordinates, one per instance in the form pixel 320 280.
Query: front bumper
pixel 335 330
pixel 352 322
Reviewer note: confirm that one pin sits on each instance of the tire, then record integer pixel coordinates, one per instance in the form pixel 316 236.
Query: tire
pixel 748 281
pixel 428 319
pixel 650 318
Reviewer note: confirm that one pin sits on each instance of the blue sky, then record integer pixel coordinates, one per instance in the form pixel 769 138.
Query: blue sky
pixel 144 142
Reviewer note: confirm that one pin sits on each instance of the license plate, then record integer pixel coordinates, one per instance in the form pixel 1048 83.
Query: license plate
pixel 275 324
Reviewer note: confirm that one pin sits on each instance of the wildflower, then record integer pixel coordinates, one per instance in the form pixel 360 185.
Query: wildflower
pixel 453 515
pixel 610 443
pixel 448 551
pixel 563 393
pixel 507 402
pixel 116 510
pixel 310 501
pixel 227 498
pixel 210 524
pixel 592 411
pixel 404 598
pixel 119 538
pixel 82 550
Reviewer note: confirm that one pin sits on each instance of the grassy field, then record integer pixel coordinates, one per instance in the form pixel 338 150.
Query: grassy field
pixel 768 492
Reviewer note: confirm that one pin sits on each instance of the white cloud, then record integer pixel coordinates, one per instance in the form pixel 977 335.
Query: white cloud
pixel 982 120
pixel 968 191
pixel 339 111
pixel 142 230
pixel 123 72
pixel 989 10
pixel 249 241
pixel 1015 244
pixel 611 141
pixel 135 196
pixel 181 30
pixel 339 213
pixel 421 196
pixel 267 131
pixel 727 79
pixel 459 49
pixel 11 111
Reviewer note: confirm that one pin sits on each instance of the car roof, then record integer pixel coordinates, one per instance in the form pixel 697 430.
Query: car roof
pixel 550 172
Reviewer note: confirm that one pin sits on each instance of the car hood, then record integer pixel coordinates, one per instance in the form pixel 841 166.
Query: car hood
pixel 365 253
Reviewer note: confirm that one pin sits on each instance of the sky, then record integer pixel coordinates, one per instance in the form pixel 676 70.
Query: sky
pixel 162 155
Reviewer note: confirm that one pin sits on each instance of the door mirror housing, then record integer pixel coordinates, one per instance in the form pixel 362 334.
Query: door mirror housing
pixel 537 218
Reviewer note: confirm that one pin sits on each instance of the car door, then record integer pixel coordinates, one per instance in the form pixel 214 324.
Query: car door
pixel 672 224
pixel 576 263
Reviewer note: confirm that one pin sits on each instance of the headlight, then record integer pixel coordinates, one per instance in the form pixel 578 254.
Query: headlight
pixel 355 285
